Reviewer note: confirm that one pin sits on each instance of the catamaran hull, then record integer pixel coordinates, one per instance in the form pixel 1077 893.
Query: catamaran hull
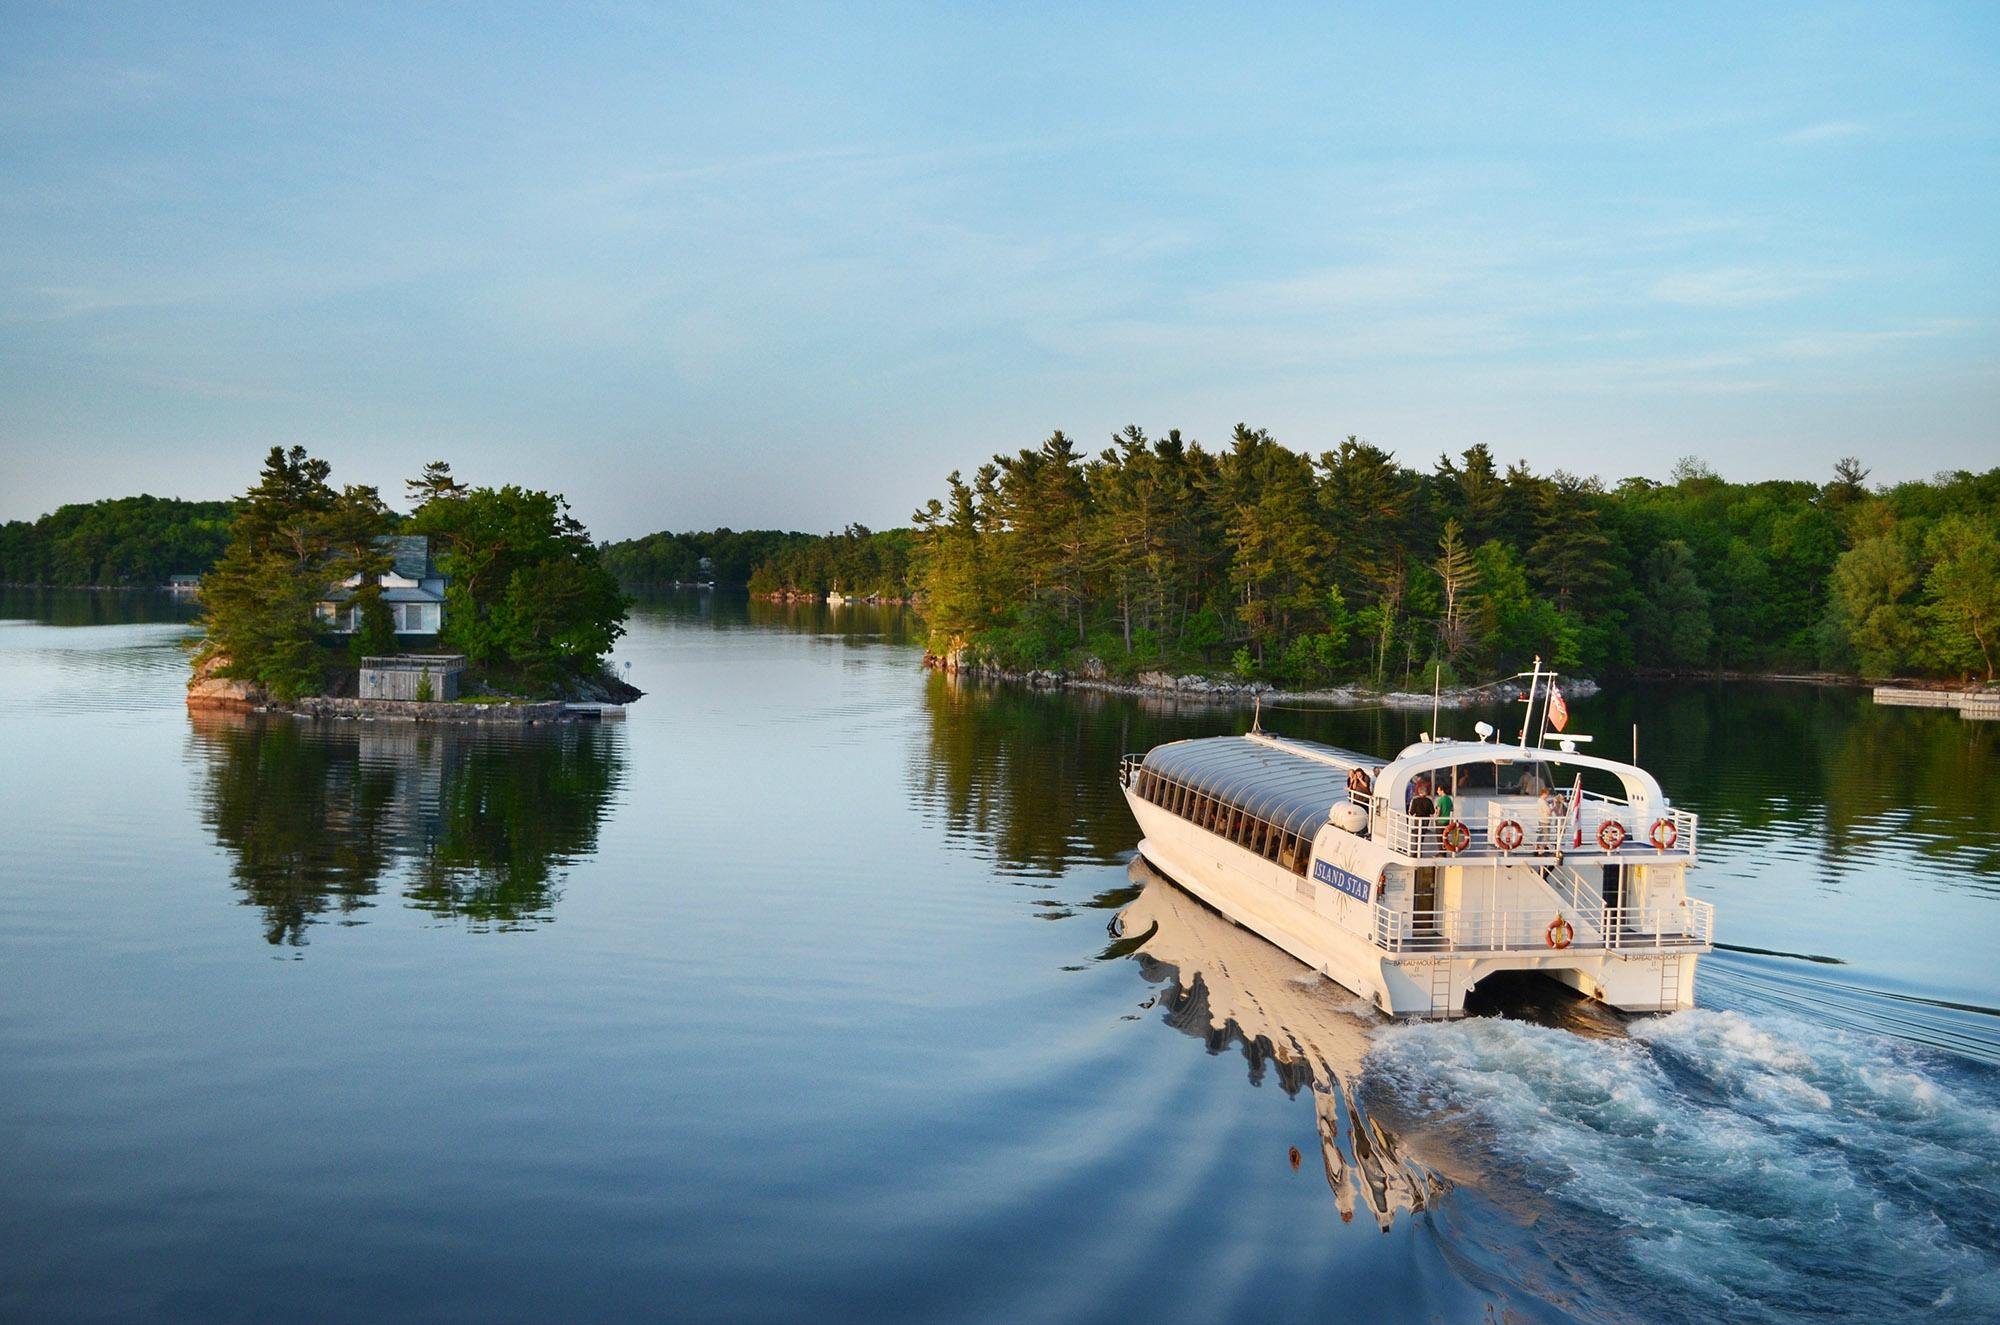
pixel 1332 932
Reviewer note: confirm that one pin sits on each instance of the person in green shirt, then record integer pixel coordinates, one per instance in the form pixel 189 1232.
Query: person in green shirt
pixel 1444 802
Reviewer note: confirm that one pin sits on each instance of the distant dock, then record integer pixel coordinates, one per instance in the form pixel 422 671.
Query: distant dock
pixel 1979 705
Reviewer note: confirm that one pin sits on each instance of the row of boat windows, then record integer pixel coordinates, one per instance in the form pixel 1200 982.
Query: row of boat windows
pixel 1275 844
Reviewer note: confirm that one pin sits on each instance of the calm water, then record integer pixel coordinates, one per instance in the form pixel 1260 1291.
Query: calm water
pixel 824 988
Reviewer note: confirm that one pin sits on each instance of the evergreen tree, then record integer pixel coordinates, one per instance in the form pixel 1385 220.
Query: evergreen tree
pixel 292 541
pixel 1458 579
pixel 434 483
pixel 1673 623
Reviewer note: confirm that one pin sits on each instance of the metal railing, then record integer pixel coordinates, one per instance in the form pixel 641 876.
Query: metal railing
pixel 1687 924
pixel 1426 836
pixel 1128 768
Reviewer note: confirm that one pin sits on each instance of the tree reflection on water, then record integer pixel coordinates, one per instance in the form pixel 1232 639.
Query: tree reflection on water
pixel 473 824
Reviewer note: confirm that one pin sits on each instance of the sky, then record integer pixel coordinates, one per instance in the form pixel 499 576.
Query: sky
pixel 784 265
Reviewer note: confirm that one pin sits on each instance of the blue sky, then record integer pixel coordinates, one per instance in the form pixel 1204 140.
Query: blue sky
pixel 783 265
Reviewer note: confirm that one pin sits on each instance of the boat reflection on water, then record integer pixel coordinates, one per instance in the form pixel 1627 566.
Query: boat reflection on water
pixel 1223 985
pixel 472 824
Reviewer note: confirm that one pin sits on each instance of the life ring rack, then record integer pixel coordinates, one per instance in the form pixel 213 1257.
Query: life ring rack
pixel 1559 934
pixel 1611 835
pixel 1508 834
pixel 1664 835
pixel 1455 837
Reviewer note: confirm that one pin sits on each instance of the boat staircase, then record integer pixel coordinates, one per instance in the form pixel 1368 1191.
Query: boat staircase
pixel 1581 902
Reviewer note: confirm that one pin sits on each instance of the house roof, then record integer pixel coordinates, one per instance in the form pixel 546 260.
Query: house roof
pixel 411 554
pixel 418 595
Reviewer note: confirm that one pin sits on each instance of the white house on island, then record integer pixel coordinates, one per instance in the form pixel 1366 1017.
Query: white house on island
pixel 412 590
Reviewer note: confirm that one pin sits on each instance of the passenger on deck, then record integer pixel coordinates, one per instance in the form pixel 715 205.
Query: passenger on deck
pixel 1550 807
pixel 1357 780
pixel 1421 804
pixel 1445 804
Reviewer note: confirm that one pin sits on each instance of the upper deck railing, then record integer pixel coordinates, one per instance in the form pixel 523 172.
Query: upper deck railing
pixel 1566 833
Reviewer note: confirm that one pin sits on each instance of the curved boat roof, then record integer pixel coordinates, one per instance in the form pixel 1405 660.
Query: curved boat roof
pixel 1434 756
pixel 1293 784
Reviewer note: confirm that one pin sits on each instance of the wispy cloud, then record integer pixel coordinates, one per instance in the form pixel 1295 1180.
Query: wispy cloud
pixel 1842 344
pixel 1828 131
pixel 1736 287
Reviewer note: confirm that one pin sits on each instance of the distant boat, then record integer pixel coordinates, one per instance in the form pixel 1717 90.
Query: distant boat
pixel 836 598
pixel 183 584
pixel 1317 849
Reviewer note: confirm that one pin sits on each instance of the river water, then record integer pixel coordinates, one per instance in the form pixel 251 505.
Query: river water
pixel 826 988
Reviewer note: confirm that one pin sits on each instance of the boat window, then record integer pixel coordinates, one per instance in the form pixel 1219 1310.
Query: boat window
pixel 1479 777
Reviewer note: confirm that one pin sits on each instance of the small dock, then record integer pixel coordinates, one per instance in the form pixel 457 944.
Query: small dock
pixel 1978 705
pixel 594 712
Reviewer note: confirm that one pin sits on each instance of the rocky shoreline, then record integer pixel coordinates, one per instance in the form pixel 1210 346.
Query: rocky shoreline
pixel 1094 676
pixel 209 692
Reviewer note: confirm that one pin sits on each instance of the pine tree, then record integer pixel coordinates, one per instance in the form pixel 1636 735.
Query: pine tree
pixel 292 541
pixel 1673 620
pixel 434 483
pixel 1459 578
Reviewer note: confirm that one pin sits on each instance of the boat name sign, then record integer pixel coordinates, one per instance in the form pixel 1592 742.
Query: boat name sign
pixel 1352 884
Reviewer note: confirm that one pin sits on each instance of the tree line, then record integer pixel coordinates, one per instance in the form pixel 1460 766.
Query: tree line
pixel 857 560
pixel 724 557
pixel 121 541
pixel 1159 553
pixel 528 601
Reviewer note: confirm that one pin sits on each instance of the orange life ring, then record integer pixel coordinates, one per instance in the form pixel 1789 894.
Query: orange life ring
pixel 1509 834
pixel 1456 837
pixel 1559 933
pixel 1664 834
pixel 1611 835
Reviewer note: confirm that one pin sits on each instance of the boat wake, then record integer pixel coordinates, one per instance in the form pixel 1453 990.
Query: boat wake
pixel 1746 1163
pixel 1712 1164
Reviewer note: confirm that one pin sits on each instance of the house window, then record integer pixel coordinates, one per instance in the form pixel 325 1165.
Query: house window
pixel 410 619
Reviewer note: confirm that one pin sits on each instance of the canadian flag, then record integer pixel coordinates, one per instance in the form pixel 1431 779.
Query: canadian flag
pixel 1558 711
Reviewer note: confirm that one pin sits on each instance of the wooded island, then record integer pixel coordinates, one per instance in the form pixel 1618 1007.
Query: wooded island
pixel 315 579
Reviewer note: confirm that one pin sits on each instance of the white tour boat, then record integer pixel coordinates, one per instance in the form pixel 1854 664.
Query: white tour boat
pixel 1567 864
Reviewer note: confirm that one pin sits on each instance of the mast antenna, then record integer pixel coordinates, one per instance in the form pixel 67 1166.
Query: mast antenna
pixel 1528 714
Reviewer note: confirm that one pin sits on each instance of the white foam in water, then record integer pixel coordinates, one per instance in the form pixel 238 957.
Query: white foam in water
pixel 1718 1165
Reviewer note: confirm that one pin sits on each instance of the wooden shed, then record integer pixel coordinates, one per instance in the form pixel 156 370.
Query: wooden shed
pixel 410 675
